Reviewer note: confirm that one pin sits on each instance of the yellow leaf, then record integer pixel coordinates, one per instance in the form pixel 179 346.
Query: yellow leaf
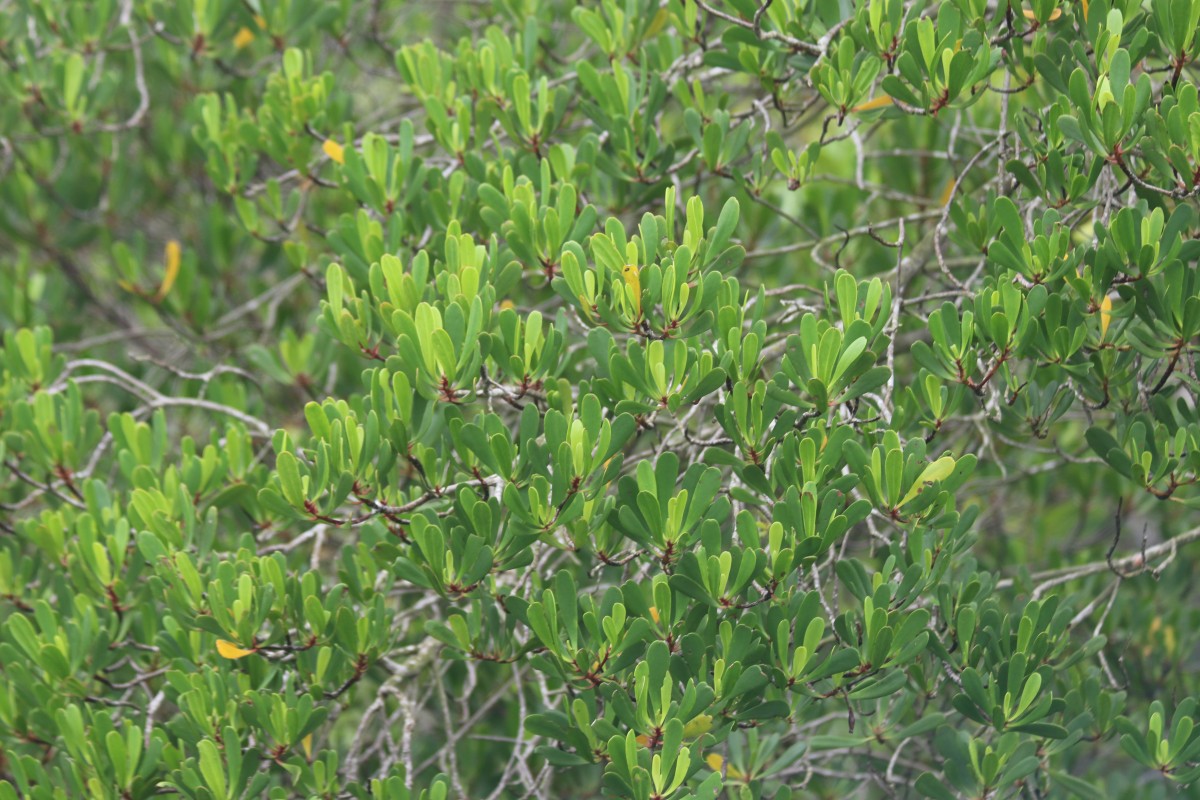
pixel 1085 2
pixel 1055 14
pixel 643 740
pixel 306 742
pixel 231 650
pixel 507 304
pixel 243 37
pixel 700 725
pixel 260 22
pixel 335 151
pixel 881 101
pixel 1105 315
pixel 634 280
pixel 172 256
pixel 715 762
pixel 654 613
pixel 947 193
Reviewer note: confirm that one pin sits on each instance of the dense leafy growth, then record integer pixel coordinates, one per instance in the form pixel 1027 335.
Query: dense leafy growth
pixel 654 399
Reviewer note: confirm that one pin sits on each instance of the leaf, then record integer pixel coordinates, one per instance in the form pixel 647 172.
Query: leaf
pixel 930 786
pixel 289 478
pixel 698 726
pixel 726 223
pixel 938 470
pixel 1108 448
pixel 890 684
pixel 560 758
pixel 715 762
pixel 1076 786
pixel 211 767
pixel 633 280
pixel 72 81
pixel 231 650
pixel 879 101
pixel 1055 14
pixel 1105 314
pixel 243 38
pixel 172 258
pixel 334 150
pixel 947 192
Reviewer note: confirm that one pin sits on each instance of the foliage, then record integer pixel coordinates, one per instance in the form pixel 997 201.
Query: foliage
pixel 642 398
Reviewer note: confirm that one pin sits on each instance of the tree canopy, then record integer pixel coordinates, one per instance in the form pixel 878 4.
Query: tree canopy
pixel 651 399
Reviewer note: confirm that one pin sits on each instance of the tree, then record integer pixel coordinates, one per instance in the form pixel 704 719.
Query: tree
pixel 646 399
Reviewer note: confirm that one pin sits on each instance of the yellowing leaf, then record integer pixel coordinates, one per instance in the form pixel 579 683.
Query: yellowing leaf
pixel 699 726
pixel 654 613
pixel 634 280
pixel 260 22
pixel 335 151
pixel 948 192
pixel 938 470
pixel 243 37
pixel 306 743
pixel 507 304
pixel 643 740
pixel 657 24
pixel 231 650
pixel 172 256
pixel 1105 315
pixel 882 101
